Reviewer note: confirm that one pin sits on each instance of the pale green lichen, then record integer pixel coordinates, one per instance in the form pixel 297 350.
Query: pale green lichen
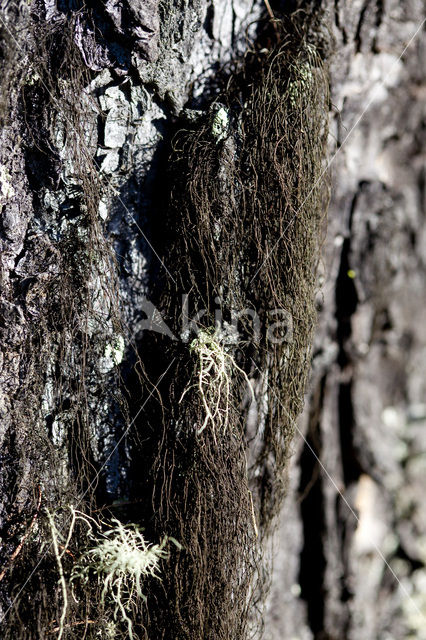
pixel 215 370
pixel 121 559
pixel 301 83
pixel 114 351
pixel 111 631
pixel 32 78
pixel 220 124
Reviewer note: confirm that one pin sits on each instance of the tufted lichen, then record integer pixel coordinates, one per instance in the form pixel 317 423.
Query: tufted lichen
pixel 220 124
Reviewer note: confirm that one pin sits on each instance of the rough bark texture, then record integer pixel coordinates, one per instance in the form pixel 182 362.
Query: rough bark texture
pixel 351 547
pixel 364 418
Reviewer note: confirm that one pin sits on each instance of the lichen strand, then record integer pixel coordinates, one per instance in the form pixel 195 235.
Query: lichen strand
pixel 246 219
pixel 215 369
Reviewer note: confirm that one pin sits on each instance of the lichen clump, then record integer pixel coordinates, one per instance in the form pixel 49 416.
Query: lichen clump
pixel 121 560
pixel 215 369
pixel 220 124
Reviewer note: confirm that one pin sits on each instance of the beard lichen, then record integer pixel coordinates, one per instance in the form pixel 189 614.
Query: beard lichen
pixel 120 560
pixel 246 220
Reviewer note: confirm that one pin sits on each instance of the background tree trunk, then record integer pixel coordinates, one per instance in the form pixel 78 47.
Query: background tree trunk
pixel 350 557
pixel 351 546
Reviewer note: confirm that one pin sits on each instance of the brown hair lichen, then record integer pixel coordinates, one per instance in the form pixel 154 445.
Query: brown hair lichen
pixel 246 220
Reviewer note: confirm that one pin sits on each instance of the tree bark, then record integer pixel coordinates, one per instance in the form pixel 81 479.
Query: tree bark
pixel 349 557
pixel 350 548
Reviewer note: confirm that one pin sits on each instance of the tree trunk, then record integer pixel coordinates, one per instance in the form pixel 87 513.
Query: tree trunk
pixel 350 559
pixel 102 227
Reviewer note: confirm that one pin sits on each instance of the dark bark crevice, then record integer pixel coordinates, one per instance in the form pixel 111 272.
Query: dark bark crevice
pixel 312 557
